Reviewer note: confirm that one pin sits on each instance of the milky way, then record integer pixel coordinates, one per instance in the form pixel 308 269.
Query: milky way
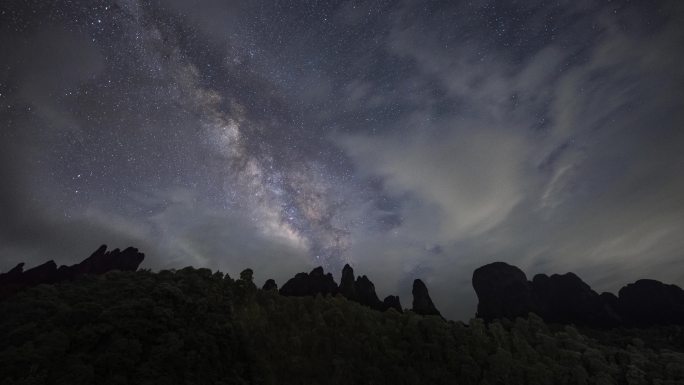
pixel 407 138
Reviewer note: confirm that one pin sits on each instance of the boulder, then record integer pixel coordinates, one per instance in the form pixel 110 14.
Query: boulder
pixel 503 292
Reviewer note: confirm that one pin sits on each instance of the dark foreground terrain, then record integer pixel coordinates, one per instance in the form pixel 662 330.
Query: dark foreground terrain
pixel 195 326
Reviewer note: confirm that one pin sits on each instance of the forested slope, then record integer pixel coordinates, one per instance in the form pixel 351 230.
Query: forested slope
pixel 194 326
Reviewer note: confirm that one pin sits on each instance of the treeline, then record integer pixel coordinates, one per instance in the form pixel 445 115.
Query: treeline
pixel 194 326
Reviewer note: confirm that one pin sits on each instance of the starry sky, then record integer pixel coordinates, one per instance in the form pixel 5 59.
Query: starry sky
pixel 407 138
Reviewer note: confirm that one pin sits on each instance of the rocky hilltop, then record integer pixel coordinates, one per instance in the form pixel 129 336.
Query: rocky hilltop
pixel 99 262
pixel 358 289
pixel 504 292
pixel 205 327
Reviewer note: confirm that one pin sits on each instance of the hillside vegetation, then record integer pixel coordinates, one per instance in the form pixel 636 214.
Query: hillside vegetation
pixel 194 326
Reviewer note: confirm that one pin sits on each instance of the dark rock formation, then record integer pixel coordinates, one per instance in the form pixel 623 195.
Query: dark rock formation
pixel 270 284
pixel 304 284
pixel 298 286
pixel 101 261
pixel 347 283
pixel 365 293
pixel 322 283
pixel 648 302
pixel 567 299
pixel 422 304
pixel 45 273
pixel 392 302
pixel 16 271
pixel 360 290
pixel 503 291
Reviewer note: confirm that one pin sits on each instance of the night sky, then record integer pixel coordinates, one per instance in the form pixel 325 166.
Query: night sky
pixel 407 138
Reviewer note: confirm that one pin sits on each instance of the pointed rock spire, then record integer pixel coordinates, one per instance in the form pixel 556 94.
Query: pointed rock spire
pixel 422 304
pixel 365 293
pixel 347 283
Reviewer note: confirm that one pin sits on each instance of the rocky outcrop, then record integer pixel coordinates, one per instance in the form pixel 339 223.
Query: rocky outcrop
pixel 347 283
pixel 100 262
pixel 567 299
pixel 504 292
pixel 316 282
pixel 359 289
pixel 648 302
pixel 422 303
pixel 362 290
pixel 270 285
pixel 392 302
pixel 46 273
pixel 298 286
pixel 365 293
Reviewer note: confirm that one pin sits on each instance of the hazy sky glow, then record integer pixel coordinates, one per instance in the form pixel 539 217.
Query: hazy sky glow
pixel 410 139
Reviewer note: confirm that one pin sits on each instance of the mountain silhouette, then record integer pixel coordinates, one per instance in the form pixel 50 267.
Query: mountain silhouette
pixel 503 291
pixel 360 290
pixel 200 326
pixel 99 262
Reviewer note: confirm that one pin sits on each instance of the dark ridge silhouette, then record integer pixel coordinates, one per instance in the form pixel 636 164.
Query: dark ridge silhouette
pixel 422 304
pixel 304 284
pixel 361 290
pixel 270 284
pixel 100 262
pixel 503 291
pixel 173 326
pixel 45 273
pixel 567 299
